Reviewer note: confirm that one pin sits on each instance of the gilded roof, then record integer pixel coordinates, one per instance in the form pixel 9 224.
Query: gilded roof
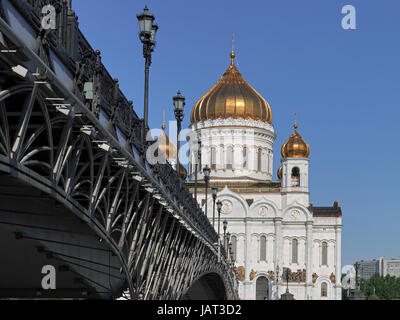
pixel 231 97
pixel 166 146
pixel 295 146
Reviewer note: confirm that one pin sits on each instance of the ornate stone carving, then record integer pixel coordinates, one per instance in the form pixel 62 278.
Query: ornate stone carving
pixel 252 274
pixel 226 207
pixel 295 214
pixel 333 278
pixel 240 272
pixel 314 277
pixel 298 276
pixel 263 211
pixel 271 275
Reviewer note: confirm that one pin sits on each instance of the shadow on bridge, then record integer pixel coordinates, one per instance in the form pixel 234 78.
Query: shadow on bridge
pixel 209 286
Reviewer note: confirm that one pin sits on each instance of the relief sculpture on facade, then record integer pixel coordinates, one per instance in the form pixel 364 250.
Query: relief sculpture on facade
pixel 252 274
pixel 298 276
pixel 240 272
pixel 333 278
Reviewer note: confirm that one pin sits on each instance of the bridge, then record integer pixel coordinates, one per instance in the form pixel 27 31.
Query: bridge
pixel 76 190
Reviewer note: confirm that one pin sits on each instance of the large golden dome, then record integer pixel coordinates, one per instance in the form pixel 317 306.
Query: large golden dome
pixel 295 146
pixel 231 97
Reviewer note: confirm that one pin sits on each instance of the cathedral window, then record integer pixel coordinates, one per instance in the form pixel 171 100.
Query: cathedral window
pixel 213 158
pixel 244 157
pixel 324 254
pixel 229 158
pixel 259 158
pixel 294 251
pixel 324 289
pixel 296 176
pixel 263 248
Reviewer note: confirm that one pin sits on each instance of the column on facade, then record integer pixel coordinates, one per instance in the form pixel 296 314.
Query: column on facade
pixel 278 250
pixel 338 260
pixel 237 157
pixel 270 162
pixel 309 251
pixel 278 242
pixel 250 157
pixel 246 259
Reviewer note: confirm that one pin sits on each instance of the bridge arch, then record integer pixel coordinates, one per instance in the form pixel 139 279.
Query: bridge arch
pixel 209 286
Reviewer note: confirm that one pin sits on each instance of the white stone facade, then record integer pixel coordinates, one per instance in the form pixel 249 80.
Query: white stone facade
pixel 267 223
pixel 246 138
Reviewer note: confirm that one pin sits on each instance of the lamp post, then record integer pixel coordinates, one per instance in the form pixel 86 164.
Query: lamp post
pixel 206 172
pixel 277 280
pixel 219 207
pixel 179 104
pixel 197 165
pixel 228 244
pixel 230 251
pixel 225 224
pixel 147 36
pixel 214 191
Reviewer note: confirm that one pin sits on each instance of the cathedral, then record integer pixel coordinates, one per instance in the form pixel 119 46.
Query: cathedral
pixel 279 239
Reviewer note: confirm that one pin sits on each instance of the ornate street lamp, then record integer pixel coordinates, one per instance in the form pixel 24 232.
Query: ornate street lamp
pixel 225 224
pixel 179 104
pixel 197 165
pixel 147 35
pixel 233 256
pixel 230 251
pixel 228 244
pixel 214 191
pixel 219 207
pixel 206 172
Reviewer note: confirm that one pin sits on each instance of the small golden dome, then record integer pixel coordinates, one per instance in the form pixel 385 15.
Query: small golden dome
pixel 169 149
pixel 279 173
pixel 182 172
pixel 231 97
pixel 166 146
pixel 295 146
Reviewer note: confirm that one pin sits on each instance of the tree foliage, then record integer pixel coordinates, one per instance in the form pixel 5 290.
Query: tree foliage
pixel 384 288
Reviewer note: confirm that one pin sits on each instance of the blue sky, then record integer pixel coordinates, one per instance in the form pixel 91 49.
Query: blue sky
pixel 344 85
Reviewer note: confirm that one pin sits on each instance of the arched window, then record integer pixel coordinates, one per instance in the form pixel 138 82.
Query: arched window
pixel 262 287
pixel 296 176
pixel 294 251
pixel 324 289
pixel 259 158
pixel 234 247
pixel 229 158
pixel 213 159
pixel 324 254
pixel 263 248
pixel 244 157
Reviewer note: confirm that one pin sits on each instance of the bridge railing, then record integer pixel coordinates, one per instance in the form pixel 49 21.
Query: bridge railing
pixel 103 98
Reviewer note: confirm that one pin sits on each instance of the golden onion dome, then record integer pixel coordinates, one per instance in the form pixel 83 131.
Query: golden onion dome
pixel 182 172
pixel 231 97
pixel 166 146
pixel 295 146
pixel 279 173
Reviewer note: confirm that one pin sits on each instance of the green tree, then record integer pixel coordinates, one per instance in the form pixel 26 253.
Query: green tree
pixel 385 288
